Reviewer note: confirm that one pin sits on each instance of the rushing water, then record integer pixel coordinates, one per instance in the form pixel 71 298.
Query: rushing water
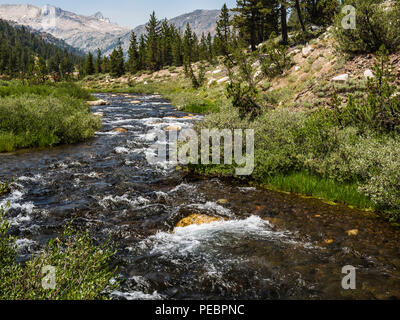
pixel 268 246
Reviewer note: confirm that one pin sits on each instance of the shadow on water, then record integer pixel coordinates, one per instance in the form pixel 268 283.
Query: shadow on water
pixel 267 246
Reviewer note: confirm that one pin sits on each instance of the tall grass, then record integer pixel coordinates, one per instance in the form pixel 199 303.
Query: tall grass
pixel 64 89
pixel 44 115
pixel 311 185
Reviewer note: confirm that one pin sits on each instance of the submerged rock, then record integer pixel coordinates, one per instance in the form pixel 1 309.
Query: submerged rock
pixel 197 219
pixel 97 103
pixel 173 128
pixel 353 232
pixel 122 130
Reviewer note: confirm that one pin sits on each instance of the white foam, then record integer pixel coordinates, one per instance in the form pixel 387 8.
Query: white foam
pixel 211 207
pixel 185 187
pixel 24 244
pixel 124 199
pixel 247 189
pixel 13 202
pixel 36 178
pixel 137 295
pixel 184 241
pixel 121 150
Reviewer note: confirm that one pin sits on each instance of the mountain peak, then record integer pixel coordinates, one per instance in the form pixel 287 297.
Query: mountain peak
pixel 99 16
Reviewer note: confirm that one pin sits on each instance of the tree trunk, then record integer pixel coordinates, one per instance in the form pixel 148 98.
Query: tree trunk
pixel 285 37
pixel 253 31
pixel 300 15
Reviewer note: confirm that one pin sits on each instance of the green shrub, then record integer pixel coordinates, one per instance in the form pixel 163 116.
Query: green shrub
pixel 33 121
pixel 82 270
pixel 275 59
pixel 376 25
pixel 306 152
pixel 380 111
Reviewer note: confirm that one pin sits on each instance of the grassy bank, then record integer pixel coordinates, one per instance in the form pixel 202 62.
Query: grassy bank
pixel 44 115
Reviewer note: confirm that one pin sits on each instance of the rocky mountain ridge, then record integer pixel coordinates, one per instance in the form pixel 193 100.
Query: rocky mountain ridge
pixel 87 33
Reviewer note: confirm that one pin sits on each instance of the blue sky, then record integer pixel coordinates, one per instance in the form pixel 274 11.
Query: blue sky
pixel 130 13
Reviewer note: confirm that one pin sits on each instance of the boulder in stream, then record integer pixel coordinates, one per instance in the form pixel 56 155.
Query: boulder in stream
pixel 197 219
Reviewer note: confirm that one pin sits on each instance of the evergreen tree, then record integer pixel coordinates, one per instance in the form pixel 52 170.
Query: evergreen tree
pixel 66 68
pixel 117 65
pixel 153 59
pixel 99 62
pixel 188 47
pixel 210 49
pixel 142 53
pixel 89 65
pixel 40 70
pixel 177 47
pixel 105 65
pixel 203 48
pixel 321 12
pixel 223 35
pixel 284 26
pixel 256 20
pixel 133 55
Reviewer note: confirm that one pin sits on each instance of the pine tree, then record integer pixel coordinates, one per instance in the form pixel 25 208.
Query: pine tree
pixel 40 70
pixel 133 55
pixel 256 20
pixel 66 68
pixel 89 65
pixel 284 26
pixel 320 12
pixel 203 49
pixel 210 49
pixel 300 14
pixel 153 43
pixel 142 53
pixel 117 65
pixel 99 62
pixel 223 35
pixel 177 47
pixel 166 44
pixel 105 65
pixel 188 47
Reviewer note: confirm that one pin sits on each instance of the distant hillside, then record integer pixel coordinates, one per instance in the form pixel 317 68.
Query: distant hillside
pixel 19 48
pixel 88 33
pixel 48 38
pixel 84 32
